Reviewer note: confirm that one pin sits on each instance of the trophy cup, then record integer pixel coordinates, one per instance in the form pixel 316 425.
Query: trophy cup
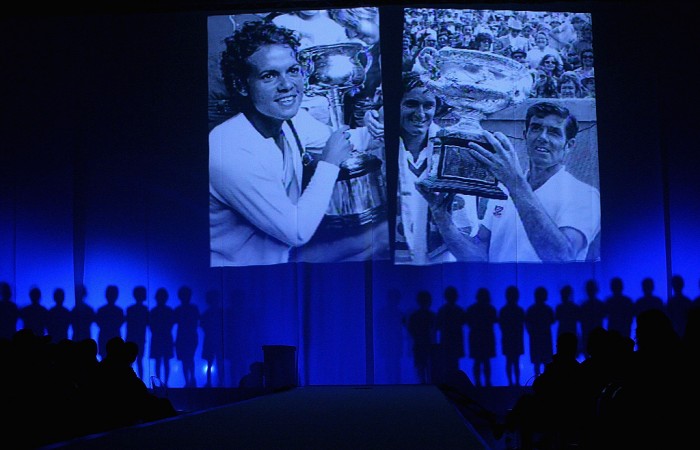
pixel 474 84
pixel 359 196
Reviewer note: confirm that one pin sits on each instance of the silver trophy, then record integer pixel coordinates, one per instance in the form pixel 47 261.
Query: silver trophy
pixel 474 84
pixel 332 70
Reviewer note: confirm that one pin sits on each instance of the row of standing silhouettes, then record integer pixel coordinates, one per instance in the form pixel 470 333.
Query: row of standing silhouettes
pixel 438 335
pixel 174 330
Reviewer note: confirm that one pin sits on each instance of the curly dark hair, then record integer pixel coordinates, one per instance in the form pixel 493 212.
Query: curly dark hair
pixel 246 41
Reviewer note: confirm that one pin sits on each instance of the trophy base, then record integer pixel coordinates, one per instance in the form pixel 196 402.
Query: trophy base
pixel 461 187
pixel 356 220
pixel 458 171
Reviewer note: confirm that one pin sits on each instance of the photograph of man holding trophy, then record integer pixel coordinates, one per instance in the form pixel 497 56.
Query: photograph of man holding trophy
pixel 285 186
pixel 504 182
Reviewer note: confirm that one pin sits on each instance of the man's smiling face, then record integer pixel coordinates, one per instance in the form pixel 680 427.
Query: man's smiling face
pixel 546 141
pixel 276 81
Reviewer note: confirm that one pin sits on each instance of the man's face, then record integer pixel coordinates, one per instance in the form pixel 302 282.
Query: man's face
pixel 417 111
pixel 546 141
pixel 276 82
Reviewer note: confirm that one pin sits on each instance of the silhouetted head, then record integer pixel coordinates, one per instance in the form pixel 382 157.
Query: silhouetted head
pixel 677 284
pixel 567 345
pixel 111 294
pixel 184 294
pixel 88 348
pixel 59 296
pixel 257 367
pixel 424 299
pixel 647 286
pixel 451 294
pixel 540 294
pixel 566 293
pixel 616 285
pixel 80 293
pixel 596 342
pixel 161 296
pixel 512 295
pixel 591 288
pixel 115 348
pixel 35 295
pixel 655 333
pixel 131 351
pixel 140 294
pixel 483 296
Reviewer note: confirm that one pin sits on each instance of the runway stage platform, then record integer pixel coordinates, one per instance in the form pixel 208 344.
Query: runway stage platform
pixel 382 417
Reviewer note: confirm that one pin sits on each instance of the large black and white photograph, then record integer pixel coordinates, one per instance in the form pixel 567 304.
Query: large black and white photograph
pixel 296 141
pixel 498 148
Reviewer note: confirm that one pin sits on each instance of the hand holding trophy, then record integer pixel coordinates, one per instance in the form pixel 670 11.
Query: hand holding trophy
pixel 359 196
pixel 474 84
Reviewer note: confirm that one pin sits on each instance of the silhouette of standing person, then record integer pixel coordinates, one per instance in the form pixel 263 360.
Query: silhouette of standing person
pixel 212 324
pixel 619 309
pixel 539 318
pixel 422 327
pixel 137 324
pixel 109 319
pixel 35 316
pixel 9 312
pixel 648 300
pixel 511 320
pixel 678 305
pixel 58 317
pixel 187 339
pixel 450 326
pixel 592 311
pixel 567 314
pixel 162 323
pixel 82 315
pixel 481 318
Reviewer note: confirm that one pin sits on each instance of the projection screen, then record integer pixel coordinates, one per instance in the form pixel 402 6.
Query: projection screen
pixel 494 157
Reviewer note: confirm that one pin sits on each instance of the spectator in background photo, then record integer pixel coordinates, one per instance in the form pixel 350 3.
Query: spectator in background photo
pixel 483 42
pixel 514 40
pixel 569 86
pixel 519 55
pixel 586 68
pixel 547 77
pixel 542 48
